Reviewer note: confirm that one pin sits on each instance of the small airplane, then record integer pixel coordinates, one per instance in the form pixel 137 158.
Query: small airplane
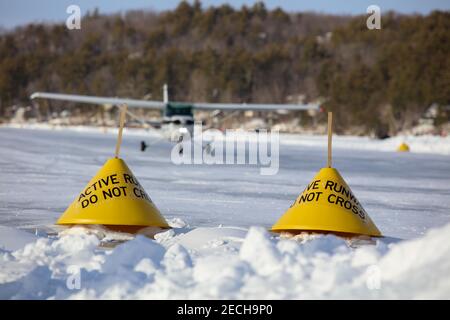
pixel 177 117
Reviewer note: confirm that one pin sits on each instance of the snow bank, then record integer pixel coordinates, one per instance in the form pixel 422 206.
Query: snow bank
pixel 226 263
pixel 418 144
pixel 83 129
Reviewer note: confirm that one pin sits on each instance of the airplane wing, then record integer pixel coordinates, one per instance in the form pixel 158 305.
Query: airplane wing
pixel 254 106
pixel 132 103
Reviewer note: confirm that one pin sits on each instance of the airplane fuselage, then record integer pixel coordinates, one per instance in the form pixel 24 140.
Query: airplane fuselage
pixel 175 126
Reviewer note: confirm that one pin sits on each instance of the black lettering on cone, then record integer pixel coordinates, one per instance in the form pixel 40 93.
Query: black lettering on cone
pixel 313 185
pixel 92 199
pixel 114 192
pixel 347 204
pixel 140 194
pixel 329 184
pixel 310 197
pixel 351 205
pixel 102 182
pixel 99 184
pixel 130 179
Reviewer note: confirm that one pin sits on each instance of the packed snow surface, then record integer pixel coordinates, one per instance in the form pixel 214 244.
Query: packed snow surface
pixel 219 246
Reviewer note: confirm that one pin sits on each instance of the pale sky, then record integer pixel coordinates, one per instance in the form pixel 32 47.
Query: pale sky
pixel 18 12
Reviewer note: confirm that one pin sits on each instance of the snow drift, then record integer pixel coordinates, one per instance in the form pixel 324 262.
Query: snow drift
pixel 223 263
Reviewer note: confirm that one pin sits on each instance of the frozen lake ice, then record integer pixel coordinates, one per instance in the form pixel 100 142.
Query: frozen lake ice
pixel 42 171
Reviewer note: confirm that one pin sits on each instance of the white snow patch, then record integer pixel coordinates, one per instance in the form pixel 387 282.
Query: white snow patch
pixel 260 266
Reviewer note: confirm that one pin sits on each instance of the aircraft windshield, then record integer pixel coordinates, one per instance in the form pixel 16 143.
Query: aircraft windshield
pixel 178 110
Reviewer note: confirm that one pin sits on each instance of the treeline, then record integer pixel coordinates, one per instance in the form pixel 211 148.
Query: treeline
pixel 377 80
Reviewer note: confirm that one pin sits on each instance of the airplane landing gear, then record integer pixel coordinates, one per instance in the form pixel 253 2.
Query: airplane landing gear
pixel 180 143
pixel 209 149
pixel 143 146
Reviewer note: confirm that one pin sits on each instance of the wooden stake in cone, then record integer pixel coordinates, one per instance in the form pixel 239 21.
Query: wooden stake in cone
pixel 123 114
pixel 330 136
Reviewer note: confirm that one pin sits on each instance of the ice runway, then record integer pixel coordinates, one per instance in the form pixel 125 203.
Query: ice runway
pixel 42 171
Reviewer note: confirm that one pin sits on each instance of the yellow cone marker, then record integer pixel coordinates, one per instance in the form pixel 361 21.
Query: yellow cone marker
pixel 327 205
pixel 114 197
pixel 403 148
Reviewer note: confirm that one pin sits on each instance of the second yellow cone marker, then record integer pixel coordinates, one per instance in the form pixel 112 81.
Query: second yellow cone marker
pixel 327 205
